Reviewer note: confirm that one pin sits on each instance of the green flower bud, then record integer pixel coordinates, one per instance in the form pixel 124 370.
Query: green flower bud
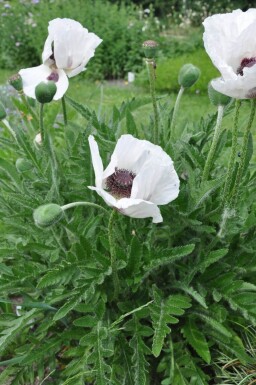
pixel 188 75
pixel 16 82
pixel 2 112
pixel 23 165
pixel 47 215
pixel 45 91
pixel 216 97
pixel 150 48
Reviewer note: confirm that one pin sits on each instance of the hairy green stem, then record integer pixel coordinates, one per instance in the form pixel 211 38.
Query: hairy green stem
pixel 152 79
pixel 231 165
pixel 41 121
pixel 176 109
pixel 74 204
pixel 210 157
pixel 113 253
pixel 64 109
pixel 240 171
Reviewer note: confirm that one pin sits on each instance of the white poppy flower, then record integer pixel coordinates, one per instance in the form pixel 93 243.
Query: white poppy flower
pixel 230 43
pixel 67 50
pixel 139 177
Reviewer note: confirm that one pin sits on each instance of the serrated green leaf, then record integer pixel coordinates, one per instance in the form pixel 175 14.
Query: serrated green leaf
pixel 162 313
pixel 59 276
pixel 66 308
pixel 173 255
pixel 87 321
pixel 197 340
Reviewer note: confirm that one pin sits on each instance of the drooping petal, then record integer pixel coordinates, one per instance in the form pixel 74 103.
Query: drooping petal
pixel 31 77
pixel 96 161
pixel 138 208
pixel 73 45
pixel 242 87
pixel 108 198
pixel 228 40
pixel 156 182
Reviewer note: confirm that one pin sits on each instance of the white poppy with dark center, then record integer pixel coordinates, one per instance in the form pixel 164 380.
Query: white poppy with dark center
pixel 229 40
pixel 139 177
pixel 67 49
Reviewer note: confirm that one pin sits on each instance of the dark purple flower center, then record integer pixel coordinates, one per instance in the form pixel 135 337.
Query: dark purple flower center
pixel 54 76
pixel 119 184
pixel 245 63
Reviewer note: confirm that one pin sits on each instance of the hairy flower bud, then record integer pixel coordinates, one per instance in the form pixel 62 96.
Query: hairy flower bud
pixel 188 75
pixel 2 112
pixel 23 165
pixel 45 91
pixel 16 82
pixel 150 48
pixel 47 215
pixel 216 97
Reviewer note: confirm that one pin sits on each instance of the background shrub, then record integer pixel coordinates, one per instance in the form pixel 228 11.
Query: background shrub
pixel 122 27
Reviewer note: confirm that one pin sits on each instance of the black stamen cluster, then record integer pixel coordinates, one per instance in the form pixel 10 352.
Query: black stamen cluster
pixel 119 184
pixel 245 63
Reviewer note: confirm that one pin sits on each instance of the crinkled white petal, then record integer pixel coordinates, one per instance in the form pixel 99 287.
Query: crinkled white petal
pixel 131 154
pixel 135 208
pixel 156 182
pixel 242 87
pixel 228 37
pixel 72 44
pixel 96 161
pixel 31 77
pixel 138 208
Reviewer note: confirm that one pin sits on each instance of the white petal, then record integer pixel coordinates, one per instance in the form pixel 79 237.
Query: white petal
pixel 228 38
pixel 109 199
pixel 47 52
pixel 31 77
pixel 138 208
pixel 73 45
pixel 156 182
pixel 131 154
pixel 242 87
pixel 96 161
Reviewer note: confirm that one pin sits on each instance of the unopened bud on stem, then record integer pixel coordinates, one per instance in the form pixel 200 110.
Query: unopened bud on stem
pixel 45 91
pixel 188 75
pixel 150 48
pixel 16 82
pixel 23 165
pixel 47 215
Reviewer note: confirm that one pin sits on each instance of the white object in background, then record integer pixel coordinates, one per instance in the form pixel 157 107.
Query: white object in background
pixel 131 77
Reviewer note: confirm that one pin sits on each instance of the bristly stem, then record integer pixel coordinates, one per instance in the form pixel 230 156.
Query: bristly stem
pixel 113 253
pixel 64 109
pixel 41 121
pixel 152 80
pixel 231 165
pixel 74 204
pixel 240 171
pixel 175 110
pixel 216 135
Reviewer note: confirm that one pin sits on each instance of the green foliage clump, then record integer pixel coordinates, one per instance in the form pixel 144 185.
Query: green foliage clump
pixel 121 28
pixel 186 293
